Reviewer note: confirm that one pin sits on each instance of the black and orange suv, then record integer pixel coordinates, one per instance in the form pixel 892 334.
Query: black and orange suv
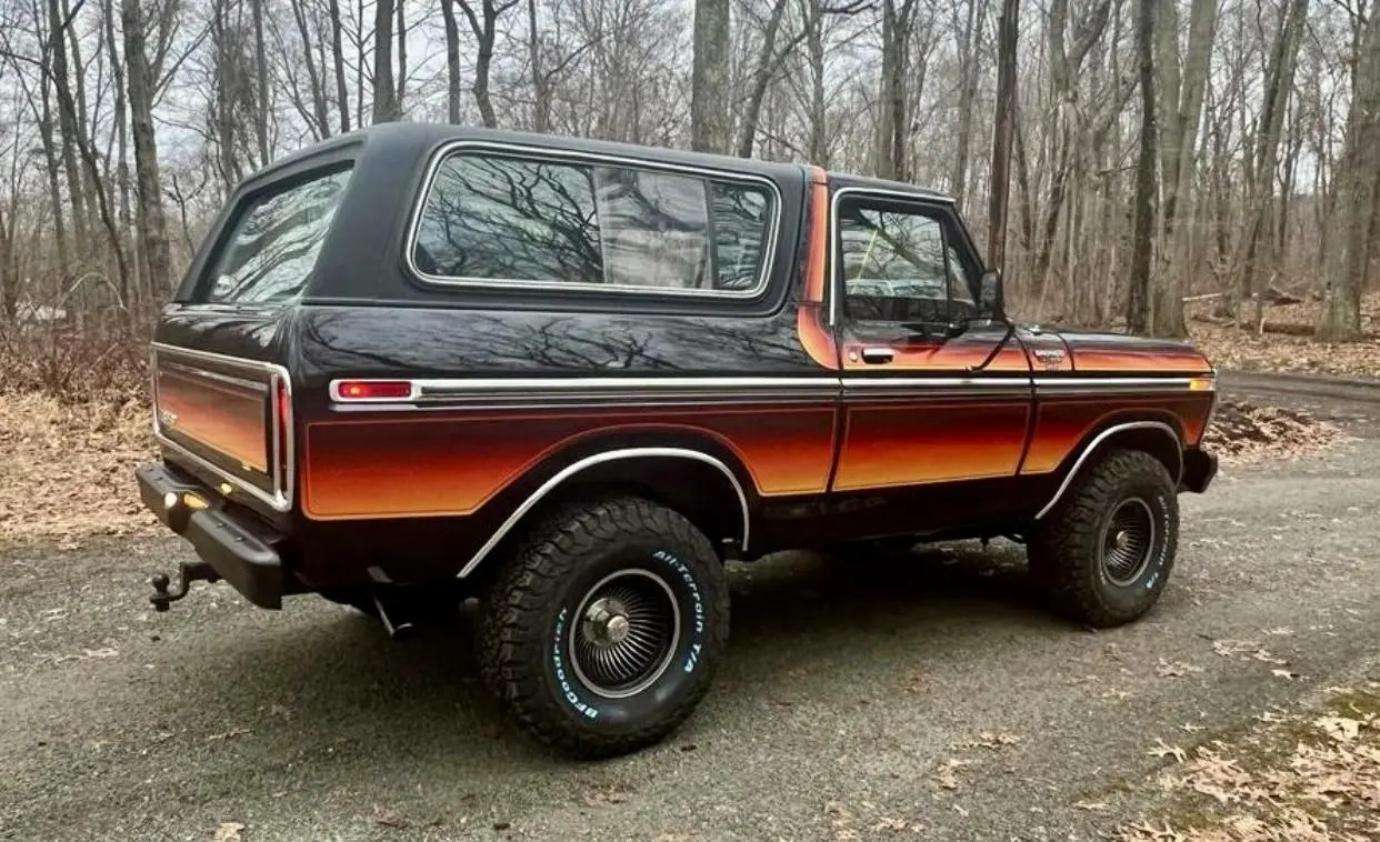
pixel 572 378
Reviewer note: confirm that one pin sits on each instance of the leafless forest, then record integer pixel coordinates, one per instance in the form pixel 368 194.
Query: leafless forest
pixel 1116 156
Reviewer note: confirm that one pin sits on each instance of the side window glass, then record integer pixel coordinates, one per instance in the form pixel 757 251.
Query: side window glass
pixel 515 220
pixel 655 228
pixel 274 242
pixel 510 219
pixel 894 267
pixel 740 216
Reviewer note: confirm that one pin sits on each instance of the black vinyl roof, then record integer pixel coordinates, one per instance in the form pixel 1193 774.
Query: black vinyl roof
pixel 363 257
pixel 413 135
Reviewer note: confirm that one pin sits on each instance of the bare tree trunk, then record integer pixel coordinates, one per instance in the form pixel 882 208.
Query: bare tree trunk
pixel 1008 31
pixel 893 129
pixel 318 94
pixel 121 118
pixel 261 94
pixel 709 106
pixel 67 123
pixel 1358 198
pixel 342 93
pixel 968 34
pixel 1143 224
pixel 485 28
pixel 51 161
pixel 541 83
pixel 9 281
pixel 77 91
pixel 452 60
pixel 1178 144
pixel 386 108
pixel 767 63
pixel 227 91
pixel 817 150
pixel 1279 82
pixel 402 55
pixel 149 219
pixel 1065 62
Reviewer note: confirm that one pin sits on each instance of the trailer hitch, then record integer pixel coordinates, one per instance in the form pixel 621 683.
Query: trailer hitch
pixel 186 574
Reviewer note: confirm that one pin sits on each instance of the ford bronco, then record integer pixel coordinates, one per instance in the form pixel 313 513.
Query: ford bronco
pixel 572 378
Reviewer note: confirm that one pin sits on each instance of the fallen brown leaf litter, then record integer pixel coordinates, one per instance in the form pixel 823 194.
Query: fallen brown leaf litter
pixel 69 468
pixel 1242 432
pixel 1306 777
pixel 1287 345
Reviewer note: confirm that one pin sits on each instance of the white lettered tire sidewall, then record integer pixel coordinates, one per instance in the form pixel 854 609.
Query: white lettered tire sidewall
pixel 524 644
pixel 687 665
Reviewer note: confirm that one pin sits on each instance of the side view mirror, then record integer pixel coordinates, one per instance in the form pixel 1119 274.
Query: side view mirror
pixel 991 302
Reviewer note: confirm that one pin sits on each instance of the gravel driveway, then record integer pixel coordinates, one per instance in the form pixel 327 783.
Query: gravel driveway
pixel 858 700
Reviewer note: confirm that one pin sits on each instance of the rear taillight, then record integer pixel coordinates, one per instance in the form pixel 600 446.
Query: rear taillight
pixel 371 390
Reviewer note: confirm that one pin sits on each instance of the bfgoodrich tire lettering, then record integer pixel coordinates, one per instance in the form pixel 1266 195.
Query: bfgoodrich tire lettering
pixel 567 562
pixel 1087 553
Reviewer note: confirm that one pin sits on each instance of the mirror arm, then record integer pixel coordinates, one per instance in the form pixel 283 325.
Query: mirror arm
pixel 996 349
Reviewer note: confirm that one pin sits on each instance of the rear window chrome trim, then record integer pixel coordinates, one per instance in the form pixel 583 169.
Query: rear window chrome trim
pixel 516 150
pixel 284 465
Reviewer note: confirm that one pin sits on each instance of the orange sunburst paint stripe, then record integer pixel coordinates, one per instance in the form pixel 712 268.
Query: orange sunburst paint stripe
pixel 815 335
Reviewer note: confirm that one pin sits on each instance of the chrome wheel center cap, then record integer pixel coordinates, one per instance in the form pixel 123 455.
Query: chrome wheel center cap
pixel 1121 540
pixel 605 623
pixel 616 628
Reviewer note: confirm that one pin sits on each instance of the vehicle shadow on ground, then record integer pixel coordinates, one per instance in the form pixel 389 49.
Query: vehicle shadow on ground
pixel 336 678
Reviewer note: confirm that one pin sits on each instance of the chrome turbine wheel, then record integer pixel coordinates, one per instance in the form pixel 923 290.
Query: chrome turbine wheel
pixel 1128 541
pixel 625 631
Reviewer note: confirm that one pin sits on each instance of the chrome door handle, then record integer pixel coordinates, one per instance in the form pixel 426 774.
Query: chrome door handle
pixel 878 356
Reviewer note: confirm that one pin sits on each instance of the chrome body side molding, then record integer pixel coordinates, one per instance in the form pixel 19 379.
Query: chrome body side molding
pixel 599 459
pixel 1103 436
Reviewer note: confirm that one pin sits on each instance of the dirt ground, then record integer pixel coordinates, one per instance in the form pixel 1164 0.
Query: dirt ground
pixel 931 693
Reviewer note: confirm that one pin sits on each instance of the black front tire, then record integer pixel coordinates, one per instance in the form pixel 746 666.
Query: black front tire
pixel 1104 554
pixel 530 631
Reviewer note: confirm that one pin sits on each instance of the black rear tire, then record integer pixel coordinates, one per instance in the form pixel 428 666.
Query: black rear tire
pixel 1104 554
pixel 548 641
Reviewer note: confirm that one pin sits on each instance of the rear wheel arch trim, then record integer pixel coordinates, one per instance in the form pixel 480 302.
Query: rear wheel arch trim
pixel 1092 446
pixel 598 459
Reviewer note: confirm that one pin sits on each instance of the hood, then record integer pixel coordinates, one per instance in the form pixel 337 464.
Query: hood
pixel 1111 353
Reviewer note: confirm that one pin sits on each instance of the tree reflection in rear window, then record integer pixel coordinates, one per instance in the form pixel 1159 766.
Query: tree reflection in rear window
pixel 274 241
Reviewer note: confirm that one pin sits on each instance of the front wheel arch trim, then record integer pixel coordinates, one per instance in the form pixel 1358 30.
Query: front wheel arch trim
pixel 598 459
pixel 1097 441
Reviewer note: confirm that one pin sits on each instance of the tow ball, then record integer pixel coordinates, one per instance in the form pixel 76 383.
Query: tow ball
pixel 186 574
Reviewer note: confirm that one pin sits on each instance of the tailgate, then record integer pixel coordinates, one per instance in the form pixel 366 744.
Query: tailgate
pixel 228 415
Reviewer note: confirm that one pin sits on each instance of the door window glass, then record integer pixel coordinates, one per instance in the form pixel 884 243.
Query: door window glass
pixel 894 265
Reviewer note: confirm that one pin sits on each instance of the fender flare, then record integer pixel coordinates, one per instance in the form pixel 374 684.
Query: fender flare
pixel 1097 440
pixel 598 459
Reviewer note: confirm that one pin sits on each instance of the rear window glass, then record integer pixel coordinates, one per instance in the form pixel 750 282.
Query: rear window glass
pixel 274 240
pixel 492 218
